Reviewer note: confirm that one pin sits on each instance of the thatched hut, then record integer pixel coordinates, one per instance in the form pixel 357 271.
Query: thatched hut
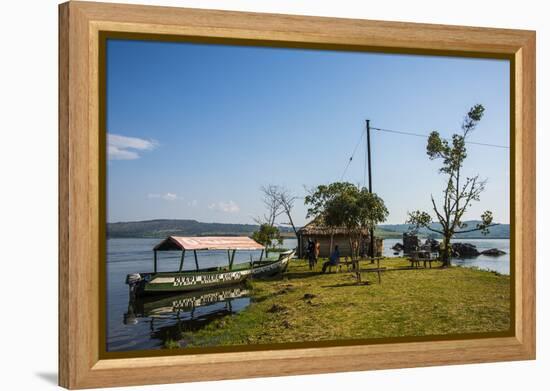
pixel 316 231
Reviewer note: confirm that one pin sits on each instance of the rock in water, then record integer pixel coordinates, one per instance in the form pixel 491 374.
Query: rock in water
pixel 466 250
pixel 432 244
pixel 493 252
pixel 397 247
pixel 410 242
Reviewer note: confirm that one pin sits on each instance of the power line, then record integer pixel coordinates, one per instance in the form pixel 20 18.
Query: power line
pixel 426 136
pixel 352 155
pixel 401 132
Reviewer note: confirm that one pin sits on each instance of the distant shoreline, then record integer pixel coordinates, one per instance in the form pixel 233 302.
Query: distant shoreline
pixel 294 237
pixel 161 228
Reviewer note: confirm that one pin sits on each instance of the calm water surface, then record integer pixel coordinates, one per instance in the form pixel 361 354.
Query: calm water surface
pixel 499 264
pixel 147 324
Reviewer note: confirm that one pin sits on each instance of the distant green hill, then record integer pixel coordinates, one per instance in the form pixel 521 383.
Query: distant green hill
pixel 387 234
pixel 164 227
pixel 501 231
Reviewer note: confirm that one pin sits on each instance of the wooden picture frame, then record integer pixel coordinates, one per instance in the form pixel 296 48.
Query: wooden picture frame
pixel 81 191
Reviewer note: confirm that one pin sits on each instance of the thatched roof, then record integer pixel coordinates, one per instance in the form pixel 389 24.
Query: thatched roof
pixel 316 227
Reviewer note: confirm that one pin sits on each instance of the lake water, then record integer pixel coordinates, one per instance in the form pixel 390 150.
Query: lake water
pixel 149 324
pixel 500 264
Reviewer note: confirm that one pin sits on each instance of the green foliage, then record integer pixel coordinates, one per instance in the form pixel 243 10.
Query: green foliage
pixel 419 219
pixel 486 220
pixel 268 235
pixel 171 344
pixel 342 204
pixel 323 194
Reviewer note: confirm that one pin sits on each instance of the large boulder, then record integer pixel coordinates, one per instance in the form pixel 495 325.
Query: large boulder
pixel 464 250
pixel 493 252
pixel 410 242
pixel 432 244
pixel 397 247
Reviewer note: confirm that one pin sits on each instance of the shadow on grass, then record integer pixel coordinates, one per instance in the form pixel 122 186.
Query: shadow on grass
pixel 261 298
pixel 348 284
pixel 297 275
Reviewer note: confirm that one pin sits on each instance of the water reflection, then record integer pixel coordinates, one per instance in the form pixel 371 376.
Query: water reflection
pixel 169 318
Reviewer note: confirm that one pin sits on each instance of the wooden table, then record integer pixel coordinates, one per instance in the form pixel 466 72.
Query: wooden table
pixel 421 256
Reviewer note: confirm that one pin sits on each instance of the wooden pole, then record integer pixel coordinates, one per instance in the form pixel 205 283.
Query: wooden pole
pixel 155 261
pixel 181 261
pixel 369 156
pixel 196 259
pixel 372 253
pixel 232 259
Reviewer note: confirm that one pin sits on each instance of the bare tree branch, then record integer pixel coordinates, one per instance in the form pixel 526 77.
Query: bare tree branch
pixel 476 229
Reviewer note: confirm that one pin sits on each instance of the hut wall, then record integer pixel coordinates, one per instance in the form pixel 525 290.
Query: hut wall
pixel 324 241
pixel 342 241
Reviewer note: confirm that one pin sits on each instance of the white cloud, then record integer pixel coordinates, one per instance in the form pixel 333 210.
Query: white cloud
pixel 227 207
pixel 166 196
pixel 114 153
pixel 127 148
pixel 170 196
pixel 193 203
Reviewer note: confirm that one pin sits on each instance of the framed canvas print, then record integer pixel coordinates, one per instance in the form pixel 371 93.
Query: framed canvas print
pixel 247 195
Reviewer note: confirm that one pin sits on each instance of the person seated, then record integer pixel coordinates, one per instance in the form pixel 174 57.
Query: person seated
pixel 334 259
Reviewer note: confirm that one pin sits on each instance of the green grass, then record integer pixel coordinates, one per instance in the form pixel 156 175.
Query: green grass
pixel 171 344
pixel 309 306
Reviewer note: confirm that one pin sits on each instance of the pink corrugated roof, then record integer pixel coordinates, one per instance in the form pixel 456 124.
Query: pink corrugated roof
pixel 211 243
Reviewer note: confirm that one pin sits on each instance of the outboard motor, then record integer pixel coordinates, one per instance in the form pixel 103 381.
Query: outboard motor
pixel 134 282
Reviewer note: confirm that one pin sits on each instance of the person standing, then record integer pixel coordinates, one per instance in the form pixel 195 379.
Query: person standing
pixel 311 253
pixel 317 250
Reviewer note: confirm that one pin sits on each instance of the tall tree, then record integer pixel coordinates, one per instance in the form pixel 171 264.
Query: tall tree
pixel 459 192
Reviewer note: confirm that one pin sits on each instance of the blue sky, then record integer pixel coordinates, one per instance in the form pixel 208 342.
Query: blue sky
pixel 195 130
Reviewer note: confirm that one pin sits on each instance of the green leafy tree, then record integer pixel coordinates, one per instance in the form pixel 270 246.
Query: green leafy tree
pixel 459 192
pixel 268 235
pixel 342 204
pixel 318 197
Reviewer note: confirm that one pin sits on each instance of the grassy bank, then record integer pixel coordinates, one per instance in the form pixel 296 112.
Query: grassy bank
pixel 308 306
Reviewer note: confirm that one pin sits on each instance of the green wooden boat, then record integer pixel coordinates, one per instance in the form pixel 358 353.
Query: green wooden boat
pixel 179 281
